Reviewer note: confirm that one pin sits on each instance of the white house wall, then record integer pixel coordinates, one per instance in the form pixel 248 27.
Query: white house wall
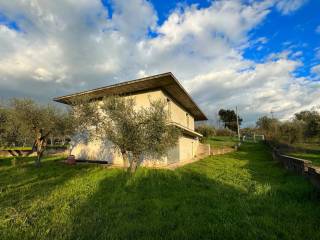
pixel 185 149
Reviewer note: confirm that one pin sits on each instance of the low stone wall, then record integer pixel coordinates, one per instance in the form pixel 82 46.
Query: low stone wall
pixel 218 151
pixel 300 166
pixel 203 150
pixel 297 165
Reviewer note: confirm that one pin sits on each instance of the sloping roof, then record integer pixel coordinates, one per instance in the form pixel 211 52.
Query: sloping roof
pixel 166 81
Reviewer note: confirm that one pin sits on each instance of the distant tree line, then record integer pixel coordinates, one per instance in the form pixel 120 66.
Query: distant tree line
pixel 303 127
pixel 228 118
pixel 20 117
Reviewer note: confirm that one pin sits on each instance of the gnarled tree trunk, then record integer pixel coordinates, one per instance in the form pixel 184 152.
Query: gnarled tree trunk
pixel 40 144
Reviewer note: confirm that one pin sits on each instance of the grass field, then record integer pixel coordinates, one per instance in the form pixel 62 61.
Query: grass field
pixel 308 146
pixel 15 148
pixel 313 157
pixel 242 195
pixel 221 141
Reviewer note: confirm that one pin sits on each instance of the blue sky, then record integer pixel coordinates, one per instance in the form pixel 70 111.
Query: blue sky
pixel 261 56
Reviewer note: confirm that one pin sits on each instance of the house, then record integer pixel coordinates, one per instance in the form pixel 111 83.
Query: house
pixel 182 111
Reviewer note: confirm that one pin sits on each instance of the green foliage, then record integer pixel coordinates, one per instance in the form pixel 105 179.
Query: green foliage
pixel 18 117
pixel 305 126
pixel 206 130
pixel 269 127
pixel 137 132
pixel 229 119
pixel 292 131
pixel 225 132
pixel 243 195
pixel 312 122
pixel 143 132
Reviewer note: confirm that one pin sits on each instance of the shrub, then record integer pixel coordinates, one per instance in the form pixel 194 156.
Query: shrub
pixel 225 132
pixel 206 130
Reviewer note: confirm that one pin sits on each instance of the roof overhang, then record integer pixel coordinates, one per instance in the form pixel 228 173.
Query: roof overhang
pixel 166 82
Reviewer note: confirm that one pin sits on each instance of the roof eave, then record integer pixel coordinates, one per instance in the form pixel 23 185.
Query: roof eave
pixel 197 117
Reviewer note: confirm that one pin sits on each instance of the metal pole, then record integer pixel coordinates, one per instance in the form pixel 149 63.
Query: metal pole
pixel 238 128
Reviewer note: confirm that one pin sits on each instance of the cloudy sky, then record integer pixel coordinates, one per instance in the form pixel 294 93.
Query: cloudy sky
pixel 262 56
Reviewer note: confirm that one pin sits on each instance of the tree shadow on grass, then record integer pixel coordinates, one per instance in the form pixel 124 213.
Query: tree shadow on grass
pixel 30 197
pixel 186 204
pixel 23 183
pixel 198 201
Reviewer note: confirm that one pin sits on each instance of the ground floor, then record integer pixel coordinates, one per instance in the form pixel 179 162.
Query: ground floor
pixel 187 148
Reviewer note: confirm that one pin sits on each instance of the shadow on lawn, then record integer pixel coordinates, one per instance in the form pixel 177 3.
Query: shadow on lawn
pixel 186 204
pixel 24 182
pixel 156 205
pixel 203 200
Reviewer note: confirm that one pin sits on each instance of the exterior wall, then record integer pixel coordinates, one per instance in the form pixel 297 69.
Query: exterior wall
pixel 96 150
pixel 143 99
pixel 179 115
pixel 186 147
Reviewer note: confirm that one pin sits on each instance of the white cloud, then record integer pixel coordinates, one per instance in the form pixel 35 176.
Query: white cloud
pixel 316 70
pixel 76 45
pixel 289 6
pixel 317 52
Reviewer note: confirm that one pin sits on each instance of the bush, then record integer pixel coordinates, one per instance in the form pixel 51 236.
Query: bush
pixel 206 130
pixel 225 132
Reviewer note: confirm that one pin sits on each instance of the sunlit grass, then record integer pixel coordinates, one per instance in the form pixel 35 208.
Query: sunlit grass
pixel 221 141
pixel 313 157
pixel 242 195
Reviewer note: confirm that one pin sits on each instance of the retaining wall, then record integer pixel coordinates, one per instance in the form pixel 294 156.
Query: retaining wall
pixel 300 166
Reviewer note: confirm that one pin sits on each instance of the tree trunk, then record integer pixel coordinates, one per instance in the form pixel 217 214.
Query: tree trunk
pixel 133 165
pixel 39 154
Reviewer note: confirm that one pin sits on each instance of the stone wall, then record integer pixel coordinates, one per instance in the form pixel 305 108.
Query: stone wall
pixel 218 151
pixel 203 150
pixel 300 166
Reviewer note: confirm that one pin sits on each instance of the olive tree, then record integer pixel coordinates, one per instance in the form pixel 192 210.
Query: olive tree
pixel 292 131
pixel 137 132
pixel 82 120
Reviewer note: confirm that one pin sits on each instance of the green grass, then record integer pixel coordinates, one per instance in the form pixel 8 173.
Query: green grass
pixel 242 195
pixel 15 148
pixel 313 157
pixel 308 146
pixel 30 148
pixel 221 141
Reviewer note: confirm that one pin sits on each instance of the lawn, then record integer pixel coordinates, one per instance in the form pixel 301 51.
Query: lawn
pixel 242 195
pixel 308 146
pixel 313 157
pixel 221 141
pixel 16 148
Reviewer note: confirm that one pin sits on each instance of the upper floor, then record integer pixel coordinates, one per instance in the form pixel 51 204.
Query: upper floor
pixel 182 110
